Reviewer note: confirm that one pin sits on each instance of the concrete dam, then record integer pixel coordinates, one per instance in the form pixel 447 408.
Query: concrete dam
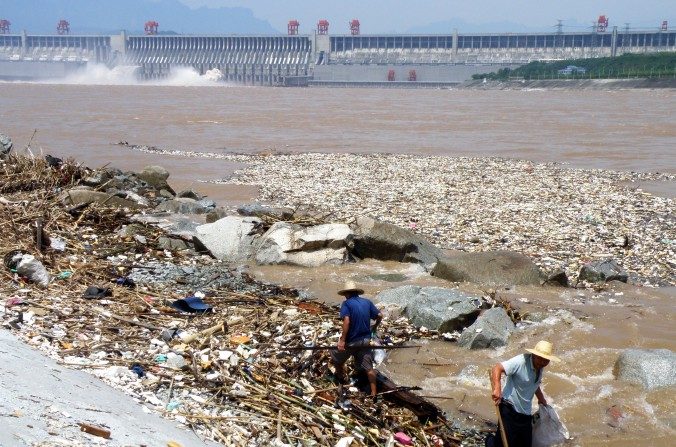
pixel 317 59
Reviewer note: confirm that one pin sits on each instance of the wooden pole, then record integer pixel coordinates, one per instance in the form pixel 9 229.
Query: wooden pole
pixel 503 435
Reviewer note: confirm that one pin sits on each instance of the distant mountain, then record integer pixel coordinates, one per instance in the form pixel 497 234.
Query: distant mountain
pixel 111 16
pixel 447 27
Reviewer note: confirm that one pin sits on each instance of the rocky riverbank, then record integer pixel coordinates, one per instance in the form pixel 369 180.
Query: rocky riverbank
pixel 571 84
pixel 114 272
pixel 186 335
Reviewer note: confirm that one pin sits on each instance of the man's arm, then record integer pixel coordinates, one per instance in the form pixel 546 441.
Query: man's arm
pixel 379 319
pixel 343 334
pixel 541 397
pixel 496 373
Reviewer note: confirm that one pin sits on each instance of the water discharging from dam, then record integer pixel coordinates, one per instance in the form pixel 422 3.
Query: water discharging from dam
pixel 99 74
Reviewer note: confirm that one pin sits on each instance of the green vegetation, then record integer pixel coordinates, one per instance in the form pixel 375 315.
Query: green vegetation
pixel 654 65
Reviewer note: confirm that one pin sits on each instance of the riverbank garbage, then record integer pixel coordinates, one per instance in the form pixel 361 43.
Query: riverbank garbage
pixel 223 372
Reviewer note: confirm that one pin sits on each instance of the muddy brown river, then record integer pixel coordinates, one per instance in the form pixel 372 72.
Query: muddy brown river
pixel 622 130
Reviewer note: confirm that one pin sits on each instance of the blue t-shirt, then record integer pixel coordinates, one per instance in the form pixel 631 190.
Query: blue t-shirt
pixel 361 311
pixel 522 382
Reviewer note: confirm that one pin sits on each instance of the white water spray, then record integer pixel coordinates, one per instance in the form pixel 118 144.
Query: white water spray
pixel 97 74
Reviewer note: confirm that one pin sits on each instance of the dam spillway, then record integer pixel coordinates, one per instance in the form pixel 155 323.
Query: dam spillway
pixel 257 60
pixel 295 59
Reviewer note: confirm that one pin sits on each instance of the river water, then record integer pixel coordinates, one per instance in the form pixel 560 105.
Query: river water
pixel 622 130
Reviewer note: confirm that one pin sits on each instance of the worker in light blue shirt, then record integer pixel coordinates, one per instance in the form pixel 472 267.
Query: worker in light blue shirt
pixel 524 376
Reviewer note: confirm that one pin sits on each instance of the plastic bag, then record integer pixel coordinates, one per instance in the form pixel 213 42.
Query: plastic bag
pixel 548 430
pixel 33 269
pixel 379 355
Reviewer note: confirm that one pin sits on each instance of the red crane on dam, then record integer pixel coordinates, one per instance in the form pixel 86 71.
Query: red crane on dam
pixel 602 24
pixel 323 26
pixel 354 27
pixel 151 27
pixel 293 27
pixel 4 26
pixel 664 27
pixel 63 27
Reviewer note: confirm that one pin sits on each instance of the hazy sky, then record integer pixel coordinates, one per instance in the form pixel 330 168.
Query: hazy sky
pixel 378 16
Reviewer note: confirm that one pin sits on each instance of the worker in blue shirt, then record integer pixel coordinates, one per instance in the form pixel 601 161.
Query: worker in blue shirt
pixel 356 314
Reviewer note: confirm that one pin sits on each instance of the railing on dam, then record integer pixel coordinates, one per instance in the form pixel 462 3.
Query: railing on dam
pixel 493 48
pixel 262 60
pixel 55 48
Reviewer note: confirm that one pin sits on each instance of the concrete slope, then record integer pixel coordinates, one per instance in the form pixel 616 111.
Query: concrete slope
pixel 42 403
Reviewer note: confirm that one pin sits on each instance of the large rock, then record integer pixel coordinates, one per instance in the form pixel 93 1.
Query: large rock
pixel 602 271
pixel 490 330
pixel 230 239
pixel 185 206
pixel 651 368
pixel 557 278
pixel 388 242
pixel 260 210
pixel 172 224
pixel 97 178
pixel 286 243
pixel 172 244
pixel 489 268
pixel 82 196
pixel 190 194
pixel 5 144
pixel 216 214
pixel 156 176
pixel 436 308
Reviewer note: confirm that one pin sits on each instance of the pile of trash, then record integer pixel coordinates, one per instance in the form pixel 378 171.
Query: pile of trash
pixel 207 345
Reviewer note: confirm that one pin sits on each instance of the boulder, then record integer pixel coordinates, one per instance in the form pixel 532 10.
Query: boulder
pixel 5 144
pixel 216 214
pixel 260 210
pixel 602 271
pixel 286 243
pixel 172 244
pixel 232 238
pixel 190 194
pixel 490 330
pixel 82 196
pixel 166 194
pixel 172 224
pixel 493 268
pixel 557 278
pixel 650 368
pixel 129 195
pixel 388 242
pixel 184 206
pixel 97 178
pixel 436 308
pixel 156 176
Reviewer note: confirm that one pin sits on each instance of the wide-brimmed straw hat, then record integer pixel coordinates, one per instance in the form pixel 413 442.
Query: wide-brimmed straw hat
pixel 349 288
pixel 544 349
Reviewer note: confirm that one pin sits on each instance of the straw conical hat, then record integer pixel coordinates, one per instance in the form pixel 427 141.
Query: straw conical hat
pixel 544 349
pixel 350 287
